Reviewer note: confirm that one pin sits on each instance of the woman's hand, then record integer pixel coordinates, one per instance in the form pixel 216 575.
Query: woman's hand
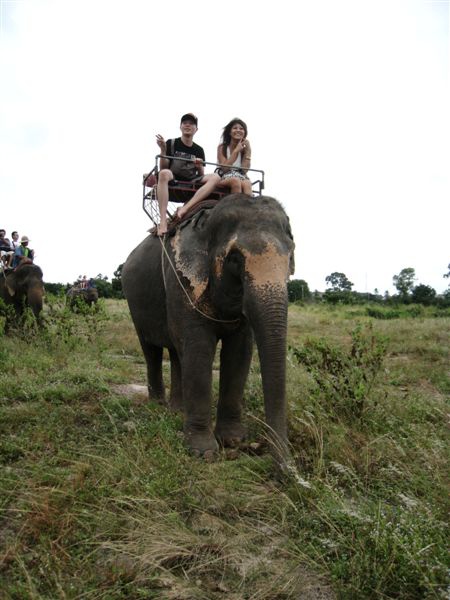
pixel 246 148
pixel 240 146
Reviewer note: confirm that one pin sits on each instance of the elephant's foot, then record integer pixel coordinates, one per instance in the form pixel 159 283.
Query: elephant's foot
pixel 230 434
pixel 156 398
pixel 176 404
pixel 201 443
pixel 158 401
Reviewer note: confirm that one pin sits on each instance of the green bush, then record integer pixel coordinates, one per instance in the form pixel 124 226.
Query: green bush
pixel 401 312
pixel 344 378
pixel 378 312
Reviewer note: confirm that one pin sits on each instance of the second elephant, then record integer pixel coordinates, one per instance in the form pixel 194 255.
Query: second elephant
pixel 88 295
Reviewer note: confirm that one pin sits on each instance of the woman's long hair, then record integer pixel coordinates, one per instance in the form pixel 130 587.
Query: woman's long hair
pixel 226 135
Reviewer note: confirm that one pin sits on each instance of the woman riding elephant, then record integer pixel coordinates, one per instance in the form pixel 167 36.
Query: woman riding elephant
pixel 223 275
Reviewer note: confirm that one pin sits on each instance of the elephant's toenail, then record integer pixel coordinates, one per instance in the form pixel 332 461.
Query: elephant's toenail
pixel 209 456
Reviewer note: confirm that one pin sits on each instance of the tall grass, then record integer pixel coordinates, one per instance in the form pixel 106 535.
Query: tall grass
pixel 100 500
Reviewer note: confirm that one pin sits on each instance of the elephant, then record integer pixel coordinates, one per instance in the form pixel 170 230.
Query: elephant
pixel 23 286
pixel 220 276
pixel 88 295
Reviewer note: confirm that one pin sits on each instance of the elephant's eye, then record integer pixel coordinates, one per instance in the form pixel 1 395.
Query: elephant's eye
pixel 234 262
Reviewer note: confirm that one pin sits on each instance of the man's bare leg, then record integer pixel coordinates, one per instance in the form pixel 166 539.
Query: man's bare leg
pixel 162 193
pixel 211 182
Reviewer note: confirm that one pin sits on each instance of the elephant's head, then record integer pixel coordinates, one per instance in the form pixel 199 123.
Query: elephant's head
pixel 26 282
pixel 244 254
pixel 90 295
pixel 251 254
pixel 87 295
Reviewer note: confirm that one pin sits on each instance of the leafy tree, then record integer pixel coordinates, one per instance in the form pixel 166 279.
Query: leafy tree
pixel 116 282
pixel 103 286
pixel 55 288
pixel 423 294
pixel 362 297
pixel 447 275
pixel 444 300
pixel 298 290
pixel 404 282
pixel 340 290
pixel 339 282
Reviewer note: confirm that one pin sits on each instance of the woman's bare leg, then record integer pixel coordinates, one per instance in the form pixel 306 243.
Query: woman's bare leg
pixel 233 183
pixel 211 181
pixel 247 187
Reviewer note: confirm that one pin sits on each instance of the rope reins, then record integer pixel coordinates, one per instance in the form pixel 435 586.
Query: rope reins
pixel 193 305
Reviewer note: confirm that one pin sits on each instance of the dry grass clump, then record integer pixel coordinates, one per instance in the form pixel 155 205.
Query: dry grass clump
pixel 218 552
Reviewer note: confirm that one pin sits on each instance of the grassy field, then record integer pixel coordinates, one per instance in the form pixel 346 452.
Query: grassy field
pixel 100 500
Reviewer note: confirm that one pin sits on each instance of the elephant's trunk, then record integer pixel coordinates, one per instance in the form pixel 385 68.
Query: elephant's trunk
pixel 35 298
pixel 267 311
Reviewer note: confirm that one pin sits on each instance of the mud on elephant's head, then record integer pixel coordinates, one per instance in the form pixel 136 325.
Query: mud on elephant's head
pixel 250 251
pixel 25 283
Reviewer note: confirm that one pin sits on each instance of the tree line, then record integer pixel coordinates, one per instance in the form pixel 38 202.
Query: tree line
pixel 339 291
pixel 106 288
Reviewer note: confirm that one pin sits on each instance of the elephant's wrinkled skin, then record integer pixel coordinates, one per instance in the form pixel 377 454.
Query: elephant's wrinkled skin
pixel 233 262
pixel 88 295
pixel 23 286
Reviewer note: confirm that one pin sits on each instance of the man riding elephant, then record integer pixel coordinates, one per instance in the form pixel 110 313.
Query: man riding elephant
pixel 23 253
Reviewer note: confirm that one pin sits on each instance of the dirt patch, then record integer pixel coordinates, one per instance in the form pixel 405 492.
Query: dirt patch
pixel 130 390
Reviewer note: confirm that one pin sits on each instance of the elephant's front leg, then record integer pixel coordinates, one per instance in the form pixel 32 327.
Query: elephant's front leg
pixel 197 360
pixel 235 359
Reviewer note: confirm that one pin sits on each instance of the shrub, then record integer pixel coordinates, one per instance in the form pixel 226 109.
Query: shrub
pixel 377 312
pixel 344 378
pixel 401 312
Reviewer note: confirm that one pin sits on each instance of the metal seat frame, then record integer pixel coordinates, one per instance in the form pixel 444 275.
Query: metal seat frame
pixel 150 199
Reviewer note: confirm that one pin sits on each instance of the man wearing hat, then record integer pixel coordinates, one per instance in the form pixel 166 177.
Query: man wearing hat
pixel 23 253
pixel 172 169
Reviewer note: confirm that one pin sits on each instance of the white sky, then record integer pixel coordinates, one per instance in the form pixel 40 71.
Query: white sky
pixel 346 102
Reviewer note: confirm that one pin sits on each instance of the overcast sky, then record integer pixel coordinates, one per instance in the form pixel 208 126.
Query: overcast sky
pixel 346 102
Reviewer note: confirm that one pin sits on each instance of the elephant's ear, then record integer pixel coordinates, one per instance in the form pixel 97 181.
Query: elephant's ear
pixel 11 284
pixel 191 257
pixel 291 264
